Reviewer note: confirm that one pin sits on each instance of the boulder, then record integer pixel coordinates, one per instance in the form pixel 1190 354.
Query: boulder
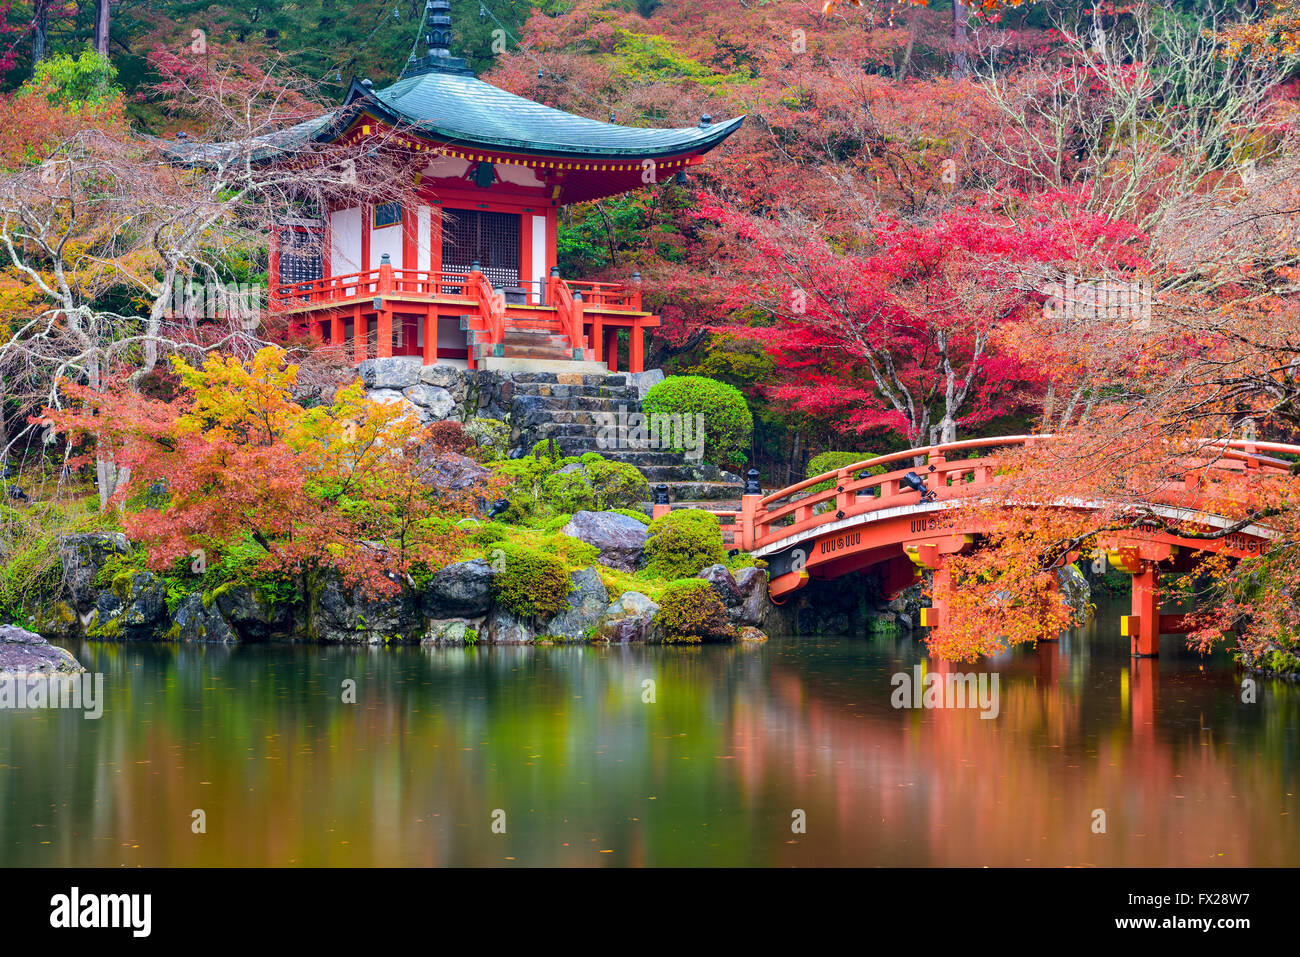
pixel 587 603
pixel 82 557
pixel 193 622
pixel 452 631
pixel 134 609
pixel 436 402
pixel 620 538
pixel 644 381
pixel 1076 591
pixel 628 618
pixel 450 471
pixel 460 590
pixel 504 628
pixel 754 608
pixel 452 379
pixel 250 615
pixel 354 615
pixel 750 634
pixel 744 594
pixel 25 652
pixel 394 372
pixel 389 396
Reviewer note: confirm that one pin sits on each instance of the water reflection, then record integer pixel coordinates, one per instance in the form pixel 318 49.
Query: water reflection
pixel 588 773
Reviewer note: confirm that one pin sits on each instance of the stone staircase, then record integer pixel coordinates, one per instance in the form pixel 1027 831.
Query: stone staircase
pixel 570 408
pixel 541 338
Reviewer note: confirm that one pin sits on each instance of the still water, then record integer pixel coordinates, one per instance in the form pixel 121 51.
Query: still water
pixel 558 745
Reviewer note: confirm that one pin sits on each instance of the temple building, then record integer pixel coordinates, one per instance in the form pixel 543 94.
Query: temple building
pixel 466 274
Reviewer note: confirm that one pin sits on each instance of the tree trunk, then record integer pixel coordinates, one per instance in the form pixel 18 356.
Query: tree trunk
pixel 959 15
pixel 101 26
pixel 40 32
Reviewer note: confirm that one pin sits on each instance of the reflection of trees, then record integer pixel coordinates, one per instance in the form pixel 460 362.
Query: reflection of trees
pixel 559 738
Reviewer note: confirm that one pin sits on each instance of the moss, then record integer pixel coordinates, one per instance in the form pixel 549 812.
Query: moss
pixel 110 629
pixel 691 611
pixel 639 515
pixel 615 485
pixel 680 543
pixel 532 583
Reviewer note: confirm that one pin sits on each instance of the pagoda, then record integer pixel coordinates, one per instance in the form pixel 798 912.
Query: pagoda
pixel 466 273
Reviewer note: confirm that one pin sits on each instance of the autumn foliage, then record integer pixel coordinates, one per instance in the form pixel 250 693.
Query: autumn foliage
pixel 342 486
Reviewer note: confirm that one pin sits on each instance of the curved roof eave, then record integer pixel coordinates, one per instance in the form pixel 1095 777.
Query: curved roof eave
pixel 490 108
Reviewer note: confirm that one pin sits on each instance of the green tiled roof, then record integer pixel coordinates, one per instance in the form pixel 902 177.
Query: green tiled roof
pixel 456 107
pixel 459 107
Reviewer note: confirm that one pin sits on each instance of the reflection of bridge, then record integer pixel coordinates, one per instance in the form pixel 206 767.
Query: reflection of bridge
pixel 908 518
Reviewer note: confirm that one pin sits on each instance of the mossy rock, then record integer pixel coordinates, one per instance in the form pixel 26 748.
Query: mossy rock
pixel 531 583
pixel 682 542
pixel 691 611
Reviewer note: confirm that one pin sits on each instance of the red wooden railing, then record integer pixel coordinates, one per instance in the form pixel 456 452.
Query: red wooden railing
pixel 568 310
pixel 491 305
pixel 574 303
pixel 797 511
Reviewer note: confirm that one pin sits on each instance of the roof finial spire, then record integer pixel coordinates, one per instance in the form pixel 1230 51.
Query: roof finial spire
pixel 438 35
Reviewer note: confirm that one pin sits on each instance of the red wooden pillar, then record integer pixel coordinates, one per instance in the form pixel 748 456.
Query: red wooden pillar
pixel 636 349
pixel 611 349
pixel 384 321
pixel 360 335
pixel 1142 627
pixel 933 616
pixel 747 536
pixel 430 336
pixel 336 331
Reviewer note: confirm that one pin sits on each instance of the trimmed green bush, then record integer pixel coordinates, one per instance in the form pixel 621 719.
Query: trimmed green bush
pixel 640 516
pixel 532 583
pixel 680 543
pixel 614 484
pixel 728 423
pixel 690 610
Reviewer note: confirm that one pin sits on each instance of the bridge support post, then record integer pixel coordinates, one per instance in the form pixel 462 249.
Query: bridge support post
pixel 934 617
pixel 1142 627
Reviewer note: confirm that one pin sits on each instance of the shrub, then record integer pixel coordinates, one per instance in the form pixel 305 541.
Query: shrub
pixel 531 583
pixel 680 543
pixel 450 437
pixel 527 477
pixel 728 423
pixel 541 486
pixel 614 484
pixel 828 461
pixel 690 610
pixel 492 436
pixel 567 491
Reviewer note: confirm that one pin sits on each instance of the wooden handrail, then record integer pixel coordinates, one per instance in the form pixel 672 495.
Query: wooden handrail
pixel 843 498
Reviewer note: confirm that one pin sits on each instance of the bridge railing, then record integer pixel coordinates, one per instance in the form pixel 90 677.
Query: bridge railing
pixel 949 471
pixel 852 490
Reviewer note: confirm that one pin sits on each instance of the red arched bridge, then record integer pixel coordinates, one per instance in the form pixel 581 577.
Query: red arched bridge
pixel 907 518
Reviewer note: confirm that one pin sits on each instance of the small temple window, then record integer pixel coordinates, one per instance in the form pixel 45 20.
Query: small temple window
pixel 300 255
pixel 388 214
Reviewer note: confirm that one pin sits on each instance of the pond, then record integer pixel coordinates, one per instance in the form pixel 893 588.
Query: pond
pixel 788 753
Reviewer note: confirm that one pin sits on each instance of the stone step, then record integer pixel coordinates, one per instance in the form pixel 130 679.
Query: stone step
pixel 641 459
pixel 627 393
pixel 515 364
pixel 702 492
pixel 511 350
pixel 716 505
